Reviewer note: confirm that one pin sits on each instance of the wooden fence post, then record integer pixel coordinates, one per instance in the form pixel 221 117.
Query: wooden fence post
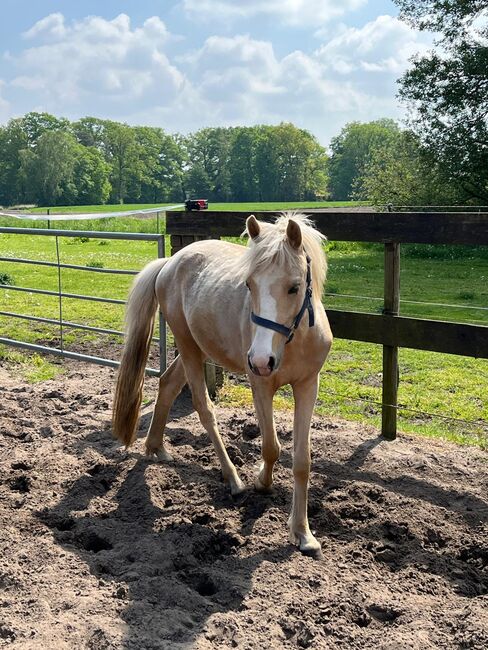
pixel 214 375
pixel 390 353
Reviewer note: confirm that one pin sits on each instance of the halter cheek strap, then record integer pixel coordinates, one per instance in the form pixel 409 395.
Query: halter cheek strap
pixel 289 332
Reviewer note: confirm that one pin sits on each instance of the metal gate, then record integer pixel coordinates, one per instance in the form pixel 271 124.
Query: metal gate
pixel 61 351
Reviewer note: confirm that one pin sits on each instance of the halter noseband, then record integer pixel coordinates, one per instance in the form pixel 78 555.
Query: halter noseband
pixel 289 332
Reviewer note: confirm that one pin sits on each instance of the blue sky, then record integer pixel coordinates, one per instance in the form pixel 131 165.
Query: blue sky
pixel 185 64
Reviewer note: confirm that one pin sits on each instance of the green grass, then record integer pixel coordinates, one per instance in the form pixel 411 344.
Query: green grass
pixel 113 254
pixel 32 367
pixel 279 206
pixel 146 224
pixel 356 271
pixel 431 385
pixel 114 207
pixel 212 206
pixel 350 387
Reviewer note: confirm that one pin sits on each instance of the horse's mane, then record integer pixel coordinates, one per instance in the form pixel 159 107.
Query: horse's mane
pixel 272 246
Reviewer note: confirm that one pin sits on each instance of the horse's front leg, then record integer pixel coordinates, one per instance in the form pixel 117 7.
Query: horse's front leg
pixel 263 402
pixel 305 394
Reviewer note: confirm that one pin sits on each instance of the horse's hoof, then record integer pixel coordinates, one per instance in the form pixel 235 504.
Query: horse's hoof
pixel 307 544
pixel 315 552
pixel 237 488
pixel 163 456
pixel 261 488
pixel 160 455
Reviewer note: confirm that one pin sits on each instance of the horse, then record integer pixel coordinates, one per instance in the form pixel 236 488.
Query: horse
pixel 253 309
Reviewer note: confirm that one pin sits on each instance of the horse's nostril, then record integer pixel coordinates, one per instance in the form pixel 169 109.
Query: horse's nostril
pixel 271 363
pixel 249 362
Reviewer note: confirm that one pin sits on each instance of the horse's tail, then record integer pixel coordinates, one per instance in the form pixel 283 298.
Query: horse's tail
pixel 140 313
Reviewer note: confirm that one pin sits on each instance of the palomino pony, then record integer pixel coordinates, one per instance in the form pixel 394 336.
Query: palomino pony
pixel 254 310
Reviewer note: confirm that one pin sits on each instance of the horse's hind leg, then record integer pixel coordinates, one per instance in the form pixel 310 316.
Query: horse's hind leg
pixel 193 360
pixel 170 385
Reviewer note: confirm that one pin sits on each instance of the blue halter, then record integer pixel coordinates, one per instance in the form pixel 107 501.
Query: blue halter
pixel 289 332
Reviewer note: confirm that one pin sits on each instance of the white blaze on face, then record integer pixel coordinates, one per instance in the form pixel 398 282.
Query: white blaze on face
pixel 262 345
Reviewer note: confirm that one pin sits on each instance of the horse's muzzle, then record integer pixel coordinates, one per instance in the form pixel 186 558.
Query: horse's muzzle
pixel 260 369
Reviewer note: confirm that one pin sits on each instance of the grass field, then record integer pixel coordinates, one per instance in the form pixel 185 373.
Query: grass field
pixel 431 384
pixel 149 224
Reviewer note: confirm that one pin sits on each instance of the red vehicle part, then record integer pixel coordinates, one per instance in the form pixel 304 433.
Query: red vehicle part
pixel 196 204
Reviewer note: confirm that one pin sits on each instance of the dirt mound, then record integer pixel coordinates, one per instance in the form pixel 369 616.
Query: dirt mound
pixel 103 549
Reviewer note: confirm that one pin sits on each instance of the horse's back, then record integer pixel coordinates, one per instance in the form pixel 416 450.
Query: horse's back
pixel 201 291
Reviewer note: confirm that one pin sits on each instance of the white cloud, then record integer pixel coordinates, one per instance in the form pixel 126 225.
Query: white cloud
pixel 291 12
pixel 112 69
pixel 51 26
pixel 95 61
pixel 382 45
pixel 351 77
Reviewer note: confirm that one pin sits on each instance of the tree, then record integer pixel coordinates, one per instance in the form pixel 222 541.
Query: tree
pixel 447 90
pixel 403 173
pixel 171 163
pixel 60 171
pixel 197 182
pixel 266 165
pixel 242 165
pixel 121 151
pixel 450 17
pixel 352 150
pixel 17 135
pixel 208 151
pixel 90 132
pixel 91 177
pixel 290 164
pixel 48 169
pixel 35 125
pixel 12 140
pixel 158 173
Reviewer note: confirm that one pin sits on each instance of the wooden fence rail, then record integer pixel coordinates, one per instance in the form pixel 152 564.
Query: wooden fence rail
pixel 388 329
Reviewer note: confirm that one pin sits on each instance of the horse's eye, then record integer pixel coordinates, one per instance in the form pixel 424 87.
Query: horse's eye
pixel 293 289
pixel 247 285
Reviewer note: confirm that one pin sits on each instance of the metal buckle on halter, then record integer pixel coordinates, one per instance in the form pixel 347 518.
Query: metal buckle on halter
pixel 291 334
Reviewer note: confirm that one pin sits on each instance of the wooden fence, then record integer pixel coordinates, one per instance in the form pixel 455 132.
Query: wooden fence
pixel 388 329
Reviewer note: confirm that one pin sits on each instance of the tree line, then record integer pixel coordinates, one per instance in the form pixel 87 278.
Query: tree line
pixel 46 160
pixel 51 161
pixel 440 157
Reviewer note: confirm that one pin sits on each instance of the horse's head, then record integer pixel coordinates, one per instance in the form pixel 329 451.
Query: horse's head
pixel 279 283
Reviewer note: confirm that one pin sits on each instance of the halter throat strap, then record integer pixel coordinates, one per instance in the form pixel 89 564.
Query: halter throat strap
pixel 289 332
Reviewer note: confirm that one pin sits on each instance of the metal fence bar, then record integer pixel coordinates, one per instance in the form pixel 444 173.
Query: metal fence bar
pixel 407 302
pixel 86 216
pixel 75 296
pixel 91 234
pixel 67 324
pixel 60 298
pixel 160 239
pixel 433 208
pixel 94 269
pixel 70 355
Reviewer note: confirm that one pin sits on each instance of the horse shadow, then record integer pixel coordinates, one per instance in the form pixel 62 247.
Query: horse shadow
pixel 158 539
pixel 171 548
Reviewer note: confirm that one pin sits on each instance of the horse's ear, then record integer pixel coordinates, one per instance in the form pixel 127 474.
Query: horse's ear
pixel 253 227
pixel 294 234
